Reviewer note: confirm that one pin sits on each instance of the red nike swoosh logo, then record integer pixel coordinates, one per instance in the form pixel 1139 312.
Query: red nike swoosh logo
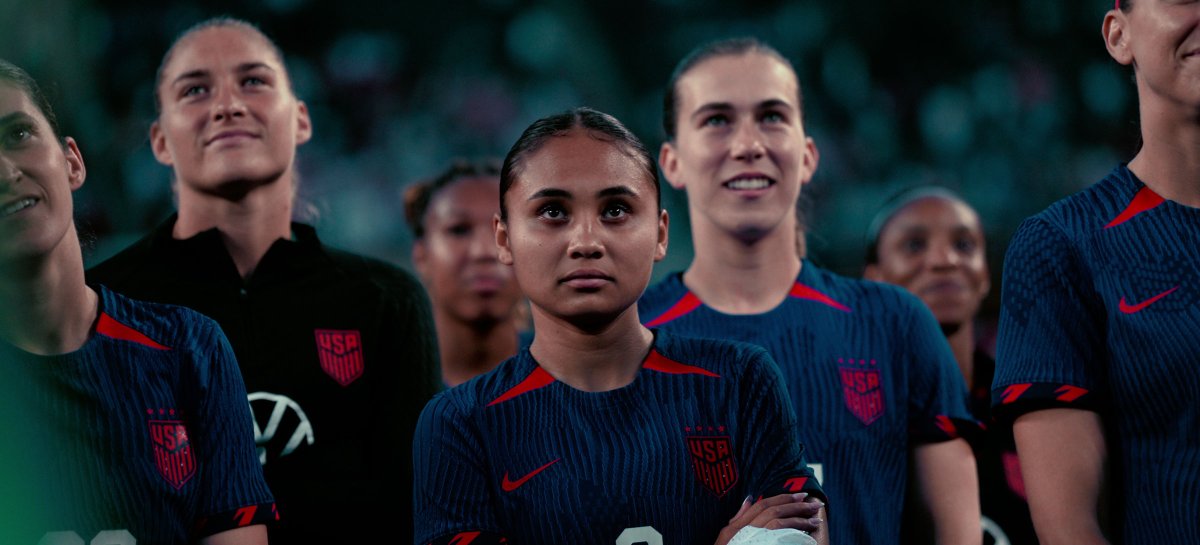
pixel 1130 309
pixel 509 486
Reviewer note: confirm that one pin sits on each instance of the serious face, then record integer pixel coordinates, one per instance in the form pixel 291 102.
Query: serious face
pixel 583 229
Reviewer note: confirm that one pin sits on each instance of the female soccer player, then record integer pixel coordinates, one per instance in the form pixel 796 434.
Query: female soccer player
pixel 1100 313
pixel 929 241
pixel 338 351
pixel 866 362
pixel 122 421
pixel 476 303
pixel 604 431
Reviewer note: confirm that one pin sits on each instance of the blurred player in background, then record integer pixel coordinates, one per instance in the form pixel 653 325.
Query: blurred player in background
pixel 476 303
pixel 931 242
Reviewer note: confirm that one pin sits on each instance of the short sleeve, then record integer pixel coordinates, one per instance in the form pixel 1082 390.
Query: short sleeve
pixel 771 441
pixel 235 493
pixel 451 498
pixel 1050 349
pixel 937 395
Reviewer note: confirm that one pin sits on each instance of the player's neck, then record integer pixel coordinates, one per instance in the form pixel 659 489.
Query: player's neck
pixel 48 309
pixel 1169 161
pixel 962 344
pixel 248 226
pixel 467 350
pixel 736 277
pixel 593 360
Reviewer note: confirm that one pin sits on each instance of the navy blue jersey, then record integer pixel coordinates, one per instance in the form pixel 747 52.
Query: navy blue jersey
pixel 516 455
pixel 142 434
pixel 869 373
pixel 1101 311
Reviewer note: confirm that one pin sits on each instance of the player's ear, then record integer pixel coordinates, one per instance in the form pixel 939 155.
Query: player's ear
pixel 158 144
pixel 76 170
pixel 504 254
pixel 1116 36
pixel 660 250
pixel 668 161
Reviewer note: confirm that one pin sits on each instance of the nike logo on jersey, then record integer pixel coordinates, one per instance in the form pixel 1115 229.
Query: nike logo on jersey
pixel 1130 309
pixel 509 486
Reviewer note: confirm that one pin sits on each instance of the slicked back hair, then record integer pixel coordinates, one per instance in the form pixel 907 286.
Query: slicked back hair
pixel 597 124
pixel 214 22
pixel 719 48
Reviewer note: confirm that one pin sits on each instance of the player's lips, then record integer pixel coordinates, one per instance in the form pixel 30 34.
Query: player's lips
pixel 944 287
pixel 749 181
pixel 14 206
pixel 586 278
pixel 230 135
pixel 485 284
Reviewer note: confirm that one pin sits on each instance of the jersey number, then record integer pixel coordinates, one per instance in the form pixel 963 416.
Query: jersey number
pixel 641 534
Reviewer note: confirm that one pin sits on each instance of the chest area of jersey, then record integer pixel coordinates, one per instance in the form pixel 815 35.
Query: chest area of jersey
pixel 1150 292
pixel 656 461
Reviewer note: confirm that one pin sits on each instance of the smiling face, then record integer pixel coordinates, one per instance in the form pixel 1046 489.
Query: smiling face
pixel 229 119
pixel 740 150
pixel 583 229
pixel 1161 39
pixel 457 257
pixel 37 176
pixel 934 248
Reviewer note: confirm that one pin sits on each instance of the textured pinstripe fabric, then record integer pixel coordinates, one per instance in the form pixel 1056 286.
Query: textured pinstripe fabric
pixel 514 453
pixel 869 374
pixel 145 429
pixel 1101 311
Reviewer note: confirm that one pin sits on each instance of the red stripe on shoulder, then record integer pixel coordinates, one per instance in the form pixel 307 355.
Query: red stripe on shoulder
pixel 660 363
pixel 1143 201
pixel 688 303
pixel 109 327
pixel 539 378
pixel 800 291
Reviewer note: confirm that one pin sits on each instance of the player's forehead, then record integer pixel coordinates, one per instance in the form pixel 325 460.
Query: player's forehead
pixel 225 47
pixel 584 163
pixel 934 214
pixel 748 78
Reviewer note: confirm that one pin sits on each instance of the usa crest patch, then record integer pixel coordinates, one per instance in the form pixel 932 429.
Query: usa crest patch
pixel 340 352
pixel 861 388
pixel 712 459
pixel 172 451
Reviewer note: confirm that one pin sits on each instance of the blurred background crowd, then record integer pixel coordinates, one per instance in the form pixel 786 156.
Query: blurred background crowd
pixel 1013 104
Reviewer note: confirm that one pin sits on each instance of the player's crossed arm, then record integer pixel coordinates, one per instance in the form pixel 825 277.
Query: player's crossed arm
pixel 797 511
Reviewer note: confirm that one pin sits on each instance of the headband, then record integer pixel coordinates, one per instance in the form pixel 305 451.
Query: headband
pixel 901 200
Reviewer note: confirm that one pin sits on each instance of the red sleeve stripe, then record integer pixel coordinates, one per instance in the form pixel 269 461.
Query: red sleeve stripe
pixel 1070 393
pixel 660 363
pixel 1012 393
pixel 539 378
pixel 109 327
pixel 686 304
pixel 800 291
pixel 1143 201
